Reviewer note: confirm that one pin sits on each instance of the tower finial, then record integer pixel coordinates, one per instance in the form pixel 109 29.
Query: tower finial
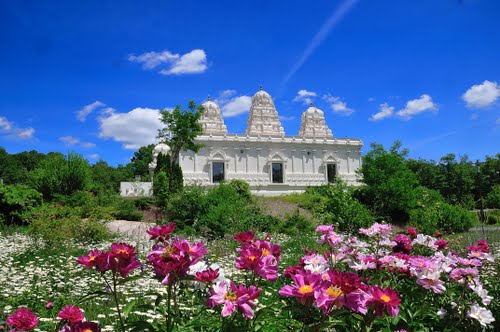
pixel 208 98
pixel 310 104
pixel 260 87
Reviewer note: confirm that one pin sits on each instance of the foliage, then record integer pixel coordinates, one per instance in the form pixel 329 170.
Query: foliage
pixel 124 208
pixel 493 217
pixel 334 204
pixel 492 200
pixel 441 216
pixel 106 179
pixel 186 206
pixel 56 224
pixel 160 189
pixel 11 170
pixel 16 203
pixel 141 160
pixel 242 188
pixel 390 185
pixel 61 175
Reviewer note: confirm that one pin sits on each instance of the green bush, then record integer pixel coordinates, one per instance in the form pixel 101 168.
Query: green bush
pixel 125 209
pixel 16 203
pixel 56 224
pixel 493 217
pixel 186 206
pixel 334 204
pixel 242 188
pixel 296 224
pixel 493 198
pixel 160 189
pixel 144 203
pixel 441 216
pixel 57 174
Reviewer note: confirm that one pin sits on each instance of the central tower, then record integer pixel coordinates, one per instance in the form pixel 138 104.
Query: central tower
pixel 263 119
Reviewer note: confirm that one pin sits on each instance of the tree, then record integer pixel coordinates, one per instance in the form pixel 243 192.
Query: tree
pixel 389 182
pixel 141 160
pixel 11 171
pixel 181 129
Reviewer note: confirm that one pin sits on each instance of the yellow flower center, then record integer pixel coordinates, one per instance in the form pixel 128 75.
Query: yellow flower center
pixel 265 252
pixel 334 291
pixel 168 251
pixel 230 296
pixel 91 259
pixel 122 251
pixel 252 258
pixel 385 298
pixel 88 330
pixel 191 249
pixel 305 289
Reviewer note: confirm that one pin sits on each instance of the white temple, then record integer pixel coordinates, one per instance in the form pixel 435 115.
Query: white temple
pixel 269 161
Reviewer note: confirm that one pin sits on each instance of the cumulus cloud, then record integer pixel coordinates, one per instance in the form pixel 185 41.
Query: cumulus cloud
pixel 24 133
pixel 82 114
pixel 231 104
pixel 386 111
pixel 417 106
pixel 305 96
pixel 482 95
pixel 286 118
pixel 134 129
pixel 72 141
pixel 8 127
pixel 93 156
pixel 337 105
pixel 193 62
pixel 5 125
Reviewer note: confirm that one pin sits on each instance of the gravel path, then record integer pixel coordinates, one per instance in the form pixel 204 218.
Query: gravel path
pixel 132 229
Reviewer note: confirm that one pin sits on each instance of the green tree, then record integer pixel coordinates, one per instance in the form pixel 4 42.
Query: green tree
pixel 141 160
pixel 61 175
pixel 459 178
pixel 11 171
pixel 389 182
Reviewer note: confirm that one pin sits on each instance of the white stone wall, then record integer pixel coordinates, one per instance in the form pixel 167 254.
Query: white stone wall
pixel 136 189
pixel 248 158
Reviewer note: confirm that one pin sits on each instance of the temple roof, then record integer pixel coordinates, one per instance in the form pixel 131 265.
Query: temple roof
pixel 211 119
pixel 263 118
pixel 313 125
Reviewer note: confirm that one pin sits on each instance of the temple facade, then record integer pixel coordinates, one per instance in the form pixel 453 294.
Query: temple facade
pixel 271 162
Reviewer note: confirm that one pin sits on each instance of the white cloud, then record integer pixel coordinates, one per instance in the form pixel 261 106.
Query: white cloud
pixel 93 156
pixel 286 118
pixel 193 62
pixel 236 106
pixel 134 129
pixel 386 111
pixel 5 125
pixel 82 114
pixel 337 105
pixel 498 121
pixel 482 95
pixel 231 104
pixel 305 96
pixel 24 133
pixel 417 106
pixel 371 99
pixel 69 140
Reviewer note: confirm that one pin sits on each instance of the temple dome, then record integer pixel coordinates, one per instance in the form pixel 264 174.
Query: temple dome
pixel 313 125
pixel 263 119
pixel 211 119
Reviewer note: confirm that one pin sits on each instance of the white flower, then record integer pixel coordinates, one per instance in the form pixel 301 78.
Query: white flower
pixel 441 313
pixel 483 315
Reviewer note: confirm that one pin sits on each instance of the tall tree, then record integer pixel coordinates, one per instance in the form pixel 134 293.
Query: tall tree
pixel 141 159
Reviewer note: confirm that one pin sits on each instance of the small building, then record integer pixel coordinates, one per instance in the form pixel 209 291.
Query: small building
pixel 271 162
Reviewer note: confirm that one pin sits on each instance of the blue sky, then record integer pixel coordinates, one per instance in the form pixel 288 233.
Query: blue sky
pixel 90 76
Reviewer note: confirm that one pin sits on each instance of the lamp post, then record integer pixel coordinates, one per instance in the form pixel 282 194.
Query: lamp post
pixel 479 186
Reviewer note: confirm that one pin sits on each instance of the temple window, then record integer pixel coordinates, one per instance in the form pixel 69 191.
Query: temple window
pixel 217 172
pixel 277 172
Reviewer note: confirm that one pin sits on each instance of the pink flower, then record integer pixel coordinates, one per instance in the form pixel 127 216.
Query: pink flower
pixel 22 320
pixel 244 237
pixel 161 233
pixel 90 260
pixel 303 290
pixel 412 232
pixel 403 244
pixel 49 305
pixel 323 229
pixel 86 327
pixel 481 246
pixel 385 299
pixel 207 276
pixel 71 314
pixel 259 256
pixel 127 265
pixel 234 298
pixel 122 251
pixel 441 244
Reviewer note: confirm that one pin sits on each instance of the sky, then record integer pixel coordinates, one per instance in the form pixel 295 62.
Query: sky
pixel 91 76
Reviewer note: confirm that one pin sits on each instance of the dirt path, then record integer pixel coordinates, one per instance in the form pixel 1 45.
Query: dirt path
pixel 132 229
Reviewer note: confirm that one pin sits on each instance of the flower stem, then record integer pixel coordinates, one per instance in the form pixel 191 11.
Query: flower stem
pixel 115 295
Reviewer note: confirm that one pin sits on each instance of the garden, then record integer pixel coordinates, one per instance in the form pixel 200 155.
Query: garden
pixel 404 252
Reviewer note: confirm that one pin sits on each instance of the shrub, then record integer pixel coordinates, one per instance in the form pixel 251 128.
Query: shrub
pixel 57 174
pixel 296 224
pixel 242 188
pixel 144 203
pixel 160 189
pixel 493 217
pixel 56 224
pixel 334 204
pixel 16 202
pixel 125 209
pixel 186 206
pixel 441 216
pixel 493 198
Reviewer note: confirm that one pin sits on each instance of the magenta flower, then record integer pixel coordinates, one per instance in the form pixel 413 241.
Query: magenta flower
pixel 122 258
pixel 234 298
pixel 244 237
pixel 303 290
pixel 86 327
pixel 22 320
pixel 71 314
pixel 161 233
pixel 122 251
pixel 441 244
pixel 259 256
pixel 207 276
pixel 90 260
pixel 412 232
pixel 385 299
pixel 49 305
pixel 403 244
pixel 324 229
